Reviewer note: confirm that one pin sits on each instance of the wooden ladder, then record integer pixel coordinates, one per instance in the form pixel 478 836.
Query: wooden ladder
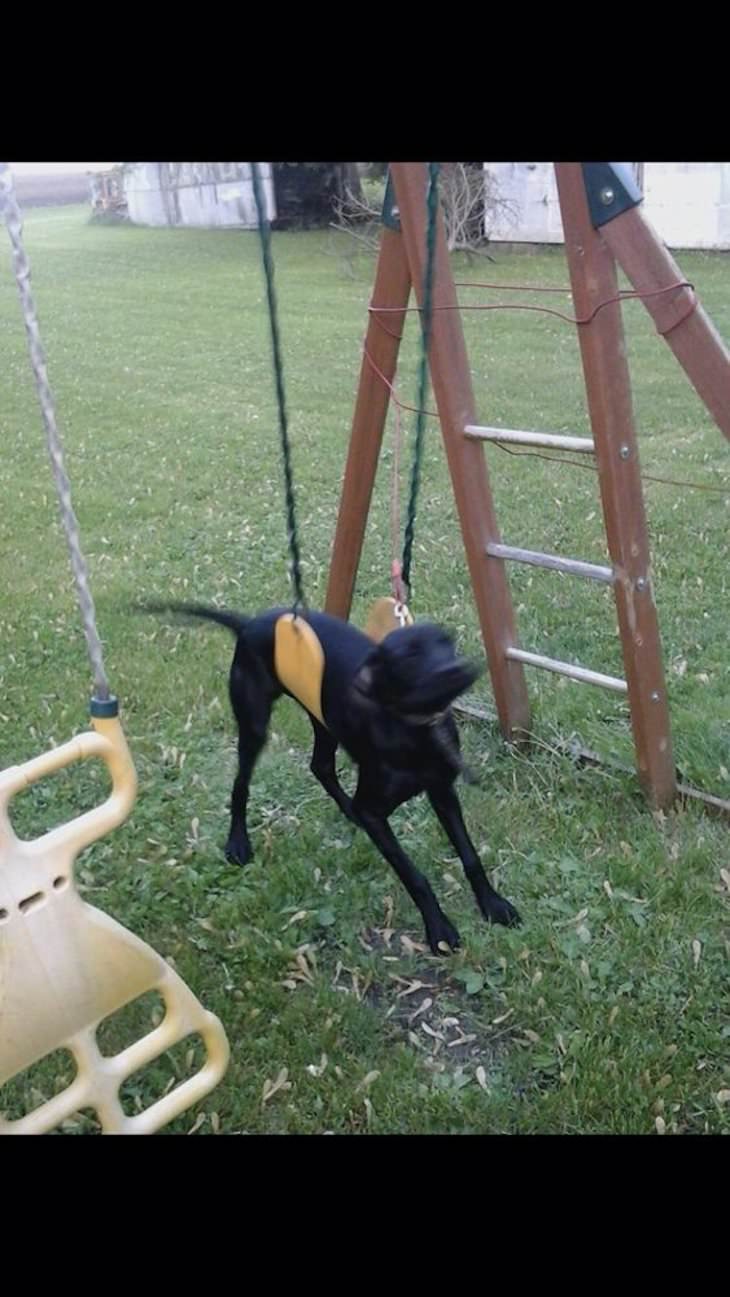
pixel 602 225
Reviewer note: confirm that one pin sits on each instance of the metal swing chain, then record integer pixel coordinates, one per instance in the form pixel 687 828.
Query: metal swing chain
pixel 434 169
pixel 14 223
pixel 291 520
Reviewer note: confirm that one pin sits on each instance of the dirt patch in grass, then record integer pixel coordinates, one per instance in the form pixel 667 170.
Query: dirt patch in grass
pixel 426 1007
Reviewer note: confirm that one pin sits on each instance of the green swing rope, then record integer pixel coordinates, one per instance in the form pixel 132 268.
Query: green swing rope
pixel 426 315
pixel 426 321
pixel 268 264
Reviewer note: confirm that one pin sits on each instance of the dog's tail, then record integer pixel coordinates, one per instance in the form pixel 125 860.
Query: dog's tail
pixel 234 621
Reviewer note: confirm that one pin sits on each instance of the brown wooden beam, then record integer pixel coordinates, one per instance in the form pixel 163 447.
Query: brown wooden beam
pixel 392 289
pixel 678 315
pixel 603 352
pixel 451 379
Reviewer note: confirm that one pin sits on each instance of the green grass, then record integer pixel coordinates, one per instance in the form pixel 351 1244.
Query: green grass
pixel 609 1008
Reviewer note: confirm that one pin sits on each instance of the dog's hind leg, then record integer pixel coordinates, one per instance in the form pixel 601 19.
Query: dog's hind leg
pixel 252 698
pixel 322 767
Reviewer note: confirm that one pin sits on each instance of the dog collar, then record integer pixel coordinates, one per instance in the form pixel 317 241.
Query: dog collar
pixel 410 719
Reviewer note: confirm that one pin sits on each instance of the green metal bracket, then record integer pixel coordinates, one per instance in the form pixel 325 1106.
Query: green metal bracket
pixel 104 707
pixel 610 189
pixel 391 216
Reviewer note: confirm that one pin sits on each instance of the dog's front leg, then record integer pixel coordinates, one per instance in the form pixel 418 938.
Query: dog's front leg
pixel 438 927
pixel 493 906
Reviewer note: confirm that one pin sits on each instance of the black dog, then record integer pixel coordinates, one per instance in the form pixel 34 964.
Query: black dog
pixel 388 705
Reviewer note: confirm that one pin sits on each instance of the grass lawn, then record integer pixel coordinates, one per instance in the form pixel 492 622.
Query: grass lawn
pixel 608 1010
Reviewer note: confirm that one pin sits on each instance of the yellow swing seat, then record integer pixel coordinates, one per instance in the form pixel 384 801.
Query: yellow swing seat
pixel 299 661
pixel 386 615
pixel 65 966
pixel 299 656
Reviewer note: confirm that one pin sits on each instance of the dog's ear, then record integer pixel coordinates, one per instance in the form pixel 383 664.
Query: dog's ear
pixel 381 676
pixel 373 678
pixel 393 662
pixel 365 678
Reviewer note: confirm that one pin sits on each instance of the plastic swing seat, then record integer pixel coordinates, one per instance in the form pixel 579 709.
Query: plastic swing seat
pixel 299 657
pixel 386 615
pixel 299 661
pixel 65 966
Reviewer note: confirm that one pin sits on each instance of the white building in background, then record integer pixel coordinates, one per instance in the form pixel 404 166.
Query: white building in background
pixel 688 203
pixel 195 193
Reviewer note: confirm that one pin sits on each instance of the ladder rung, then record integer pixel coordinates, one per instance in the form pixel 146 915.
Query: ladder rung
pixel 573 566
pixel 566 669
pixel 583 445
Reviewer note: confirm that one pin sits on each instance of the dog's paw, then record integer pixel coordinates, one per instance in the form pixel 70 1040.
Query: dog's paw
pixel 239 851
pixel 442 936
pixel 498 910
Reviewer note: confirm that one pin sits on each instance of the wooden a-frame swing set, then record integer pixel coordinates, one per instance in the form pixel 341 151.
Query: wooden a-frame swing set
pixel 604 229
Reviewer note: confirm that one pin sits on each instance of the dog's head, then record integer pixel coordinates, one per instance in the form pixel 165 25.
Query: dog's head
pixel 416 672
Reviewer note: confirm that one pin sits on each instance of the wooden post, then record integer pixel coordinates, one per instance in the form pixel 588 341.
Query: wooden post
pixel 678 316
pixel 594 280
pixel 392 289
pixel 455 402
